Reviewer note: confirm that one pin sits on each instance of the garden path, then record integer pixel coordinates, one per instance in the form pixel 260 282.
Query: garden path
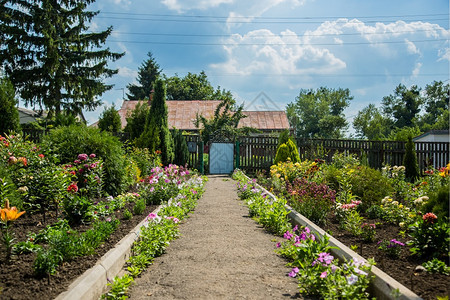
pixel 221 254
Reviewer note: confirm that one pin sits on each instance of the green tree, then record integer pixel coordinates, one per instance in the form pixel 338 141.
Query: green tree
pixel 436 102
pixel 181 148
pixel 370 124
pixel 110 120
pixel 226 119
pixel 136 120
pixel 51 57
pixel 403 106
pixel 320 113
pixel 156 135
pixel 410 161
pixel 194 87
pixel 9 115
pixel 148 72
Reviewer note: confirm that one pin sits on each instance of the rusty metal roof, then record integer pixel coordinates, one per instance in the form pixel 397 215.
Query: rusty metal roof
pixel 183 113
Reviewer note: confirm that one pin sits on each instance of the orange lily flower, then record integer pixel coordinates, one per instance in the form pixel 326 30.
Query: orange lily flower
pixel 10 214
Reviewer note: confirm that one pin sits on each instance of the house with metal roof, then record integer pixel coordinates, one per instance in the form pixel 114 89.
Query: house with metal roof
pixel 182 113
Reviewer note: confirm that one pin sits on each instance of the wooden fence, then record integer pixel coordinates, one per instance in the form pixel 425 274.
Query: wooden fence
pixel 256 153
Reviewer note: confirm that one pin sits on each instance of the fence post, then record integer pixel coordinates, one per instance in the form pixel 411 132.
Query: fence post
pixel 237 154
pixel 200 157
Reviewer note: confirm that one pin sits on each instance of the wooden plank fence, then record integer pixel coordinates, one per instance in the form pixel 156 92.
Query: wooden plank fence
pixel 256 153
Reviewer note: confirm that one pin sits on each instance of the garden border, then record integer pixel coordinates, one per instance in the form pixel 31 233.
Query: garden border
pixel 381 286
pixel 93 282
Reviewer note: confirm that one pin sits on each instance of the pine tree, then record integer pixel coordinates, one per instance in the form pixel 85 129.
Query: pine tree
pixel 147 74
pixel 136 120
pixel 51 58
pixel 9 115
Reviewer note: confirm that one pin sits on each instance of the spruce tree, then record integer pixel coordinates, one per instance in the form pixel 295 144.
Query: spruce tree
pixel 410 161
pixel 9 115
pixel 147 74
pixel 51 58
pixel 136 120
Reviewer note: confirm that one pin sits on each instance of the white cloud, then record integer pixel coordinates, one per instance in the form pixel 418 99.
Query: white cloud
pixel 411 47
pixel 416 70
pixel 444 54
pixel 127 72
pixel 186 5
pixel 263 52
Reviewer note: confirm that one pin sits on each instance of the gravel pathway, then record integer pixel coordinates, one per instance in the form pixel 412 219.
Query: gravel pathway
pixel 221 254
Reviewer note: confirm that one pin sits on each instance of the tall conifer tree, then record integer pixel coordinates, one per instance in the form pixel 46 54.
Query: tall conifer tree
pixel 147 74
pixel 49 55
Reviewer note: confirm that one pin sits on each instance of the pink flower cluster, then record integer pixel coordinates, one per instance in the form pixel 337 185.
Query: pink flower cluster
pixel 351 205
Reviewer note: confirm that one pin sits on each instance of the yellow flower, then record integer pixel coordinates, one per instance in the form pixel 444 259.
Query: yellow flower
pixel 400 206
pixel 10 214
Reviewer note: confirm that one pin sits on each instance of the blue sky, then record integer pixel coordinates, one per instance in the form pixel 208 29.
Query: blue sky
pixel 265 51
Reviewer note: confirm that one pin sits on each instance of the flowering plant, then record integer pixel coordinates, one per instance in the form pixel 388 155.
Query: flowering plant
pixel 429 236
pixel 368 232
pixel 391 248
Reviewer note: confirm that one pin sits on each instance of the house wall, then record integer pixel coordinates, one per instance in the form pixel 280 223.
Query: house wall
pixel 434 138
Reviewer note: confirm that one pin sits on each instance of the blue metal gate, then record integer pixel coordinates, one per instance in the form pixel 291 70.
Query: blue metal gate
pixel 221 158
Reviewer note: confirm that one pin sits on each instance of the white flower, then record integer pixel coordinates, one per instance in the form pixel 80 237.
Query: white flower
pixel 352 279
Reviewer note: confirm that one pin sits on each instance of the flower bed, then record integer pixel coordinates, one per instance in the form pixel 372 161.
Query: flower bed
pixel 64 222
pixel 379 223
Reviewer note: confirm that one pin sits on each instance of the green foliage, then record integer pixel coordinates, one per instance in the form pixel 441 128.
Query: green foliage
pixel 320 113
pixel 139 206
pixel 110 120
pixel 180 148
pixel 439 201
pixel 9 115
pixel 127 215
pixel 119 288
pixel 136 120
pixel 371 124
pixel 283 137
pixel 65 143
pixel 148 72
pixel 410 161
pixel 194 87
pixel 226 120
pixel 76 209
pixel 144 159
pixel 369 185
pixel 282 154
pixel 430 237
pixel 156 135
pixel 46 262
pixel 42 54
pixel 436 266
pixel 404 106
pixel 402 134
pixel 26 247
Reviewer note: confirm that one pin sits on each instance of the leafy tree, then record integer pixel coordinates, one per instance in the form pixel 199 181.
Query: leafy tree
pixel 402 134
pixel 181 148
pixel 226 119
pixel 194 87
pixel 9 115
pixel 320 113
pixel 148 72
pixel 110 120
pixel 136 120
pixel 371 124
pixel 51 58
pixel 156 135
pixel 404 106
pixel 436 100
pixel 410 161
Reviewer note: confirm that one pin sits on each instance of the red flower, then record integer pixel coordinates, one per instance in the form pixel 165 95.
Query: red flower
pixel 73 188
pixel 429 218
pixel 41 155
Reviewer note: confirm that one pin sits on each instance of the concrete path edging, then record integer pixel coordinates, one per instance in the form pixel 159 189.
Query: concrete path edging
pixel 382 286
pixel 93 282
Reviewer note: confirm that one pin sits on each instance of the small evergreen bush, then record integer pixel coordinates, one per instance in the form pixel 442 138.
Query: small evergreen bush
pixel 181 148
pixel 410 161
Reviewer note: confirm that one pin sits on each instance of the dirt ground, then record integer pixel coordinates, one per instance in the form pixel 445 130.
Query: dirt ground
pixel 221 254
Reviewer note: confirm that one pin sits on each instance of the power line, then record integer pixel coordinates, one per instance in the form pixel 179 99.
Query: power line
pixel 270 18
pixel 273 44
pixel 277 35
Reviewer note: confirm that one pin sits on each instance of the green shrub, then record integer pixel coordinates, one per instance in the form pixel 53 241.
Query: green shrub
pixel 370 186
pixel 9 115
pixel 127 215
pixel 410 161
pixel 76 209
pixel 145 160
pixel 282 154
pixel 180 148
pixel 67 142
pixel 439 202
pixel 139 206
